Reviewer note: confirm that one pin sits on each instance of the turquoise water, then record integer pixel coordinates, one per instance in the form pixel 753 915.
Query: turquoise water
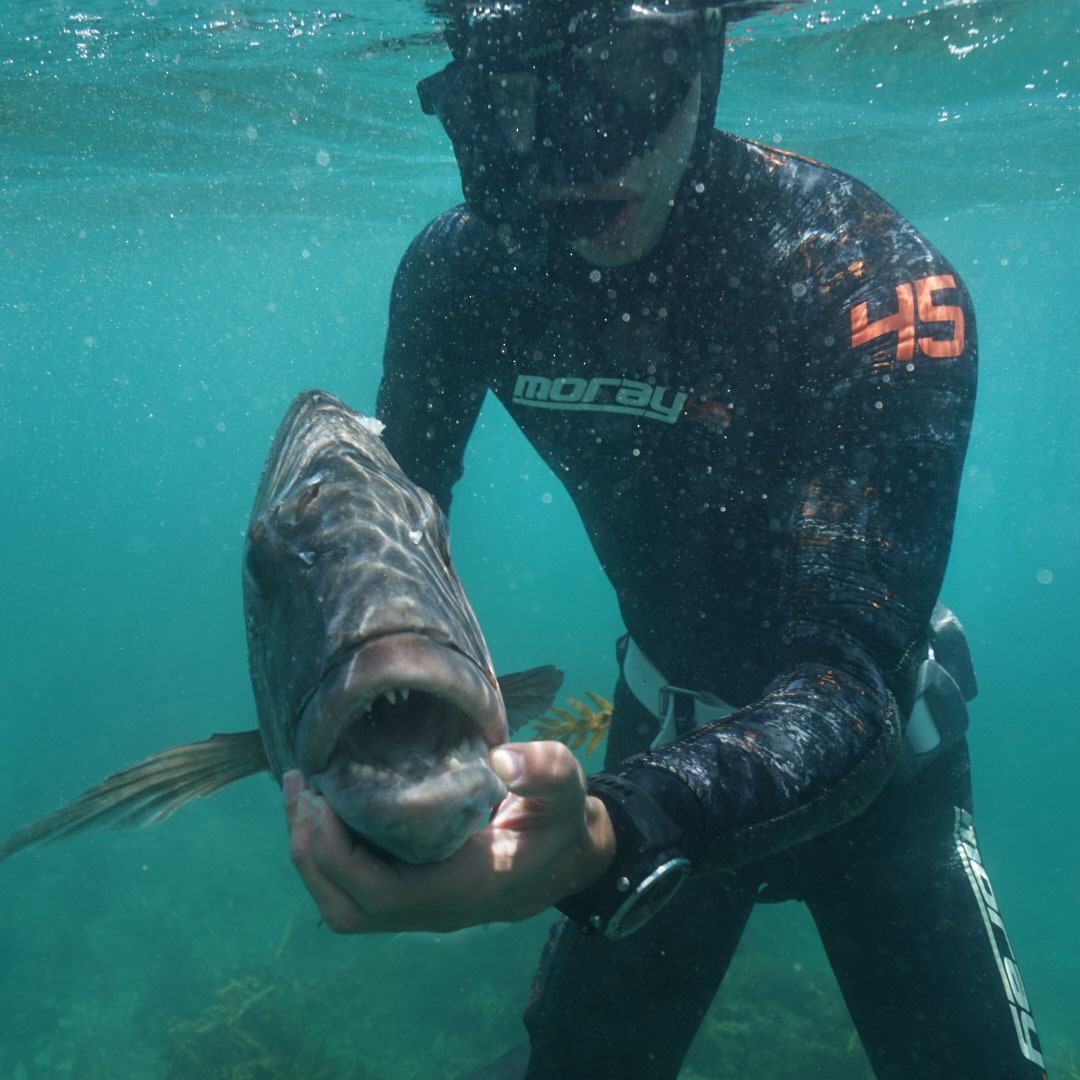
pixel 201 210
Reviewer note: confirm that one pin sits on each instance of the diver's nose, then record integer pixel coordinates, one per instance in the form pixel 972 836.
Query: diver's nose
pixel 513 97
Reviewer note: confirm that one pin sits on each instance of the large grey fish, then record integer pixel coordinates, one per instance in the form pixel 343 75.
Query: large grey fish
pixel 369 668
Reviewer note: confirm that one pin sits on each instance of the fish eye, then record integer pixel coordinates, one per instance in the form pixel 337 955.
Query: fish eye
pixel 289 512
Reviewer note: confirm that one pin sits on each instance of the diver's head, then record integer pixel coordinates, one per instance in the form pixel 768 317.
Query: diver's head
pixel 578 119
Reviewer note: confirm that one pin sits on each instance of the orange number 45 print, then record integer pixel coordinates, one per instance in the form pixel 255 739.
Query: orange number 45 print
pixel 909 299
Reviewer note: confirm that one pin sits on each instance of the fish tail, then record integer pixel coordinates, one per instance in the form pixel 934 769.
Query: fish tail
pixel 150 790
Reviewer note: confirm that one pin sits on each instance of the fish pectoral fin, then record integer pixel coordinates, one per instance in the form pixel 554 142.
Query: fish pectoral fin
pixel 150 790
pixel 528 694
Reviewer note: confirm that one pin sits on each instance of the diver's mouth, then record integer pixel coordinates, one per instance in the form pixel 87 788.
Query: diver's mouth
pixel 396 737
pixel 592 219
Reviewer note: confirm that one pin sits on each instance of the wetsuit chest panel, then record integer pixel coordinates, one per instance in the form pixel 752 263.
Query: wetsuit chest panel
pixel 619 397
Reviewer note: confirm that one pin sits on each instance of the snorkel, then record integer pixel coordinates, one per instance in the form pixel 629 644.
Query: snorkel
pixel 545 95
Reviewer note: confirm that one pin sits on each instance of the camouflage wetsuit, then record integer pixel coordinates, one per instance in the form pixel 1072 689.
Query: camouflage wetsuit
pixel 762 425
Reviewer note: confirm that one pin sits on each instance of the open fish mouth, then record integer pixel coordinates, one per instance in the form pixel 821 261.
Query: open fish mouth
pixel 396 738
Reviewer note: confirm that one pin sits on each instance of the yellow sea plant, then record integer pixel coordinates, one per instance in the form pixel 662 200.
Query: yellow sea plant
pixel 583 726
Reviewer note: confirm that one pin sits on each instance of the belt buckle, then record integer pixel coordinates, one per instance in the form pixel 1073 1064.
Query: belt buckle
pixel 681 705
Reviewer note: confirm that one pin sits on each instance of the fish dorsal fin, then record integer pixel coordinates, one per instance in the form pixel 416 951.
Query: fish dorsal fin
pixel 150 790
pixel 528 694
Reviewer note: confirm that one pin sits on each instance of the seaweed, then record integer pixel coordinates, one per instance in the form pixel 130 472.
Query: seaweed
pixel 413 1008
pixel 584 726
pixel 1068 1064
pixel 254 1029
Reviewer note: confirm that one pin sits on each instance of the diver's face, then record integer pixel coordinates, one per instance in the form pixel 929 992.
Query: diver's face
pixel 647 186
pixel 636 198
pixel 591 144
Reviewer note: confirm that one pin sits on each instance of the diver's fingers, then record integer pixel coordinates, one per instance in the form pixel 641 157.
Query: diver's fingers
pixel 339 911
pixel 375 887
pixel 434 897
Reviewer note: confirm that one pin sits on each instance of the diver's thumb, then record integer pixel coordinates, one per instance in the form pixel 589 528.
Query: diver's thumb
pixel 539 770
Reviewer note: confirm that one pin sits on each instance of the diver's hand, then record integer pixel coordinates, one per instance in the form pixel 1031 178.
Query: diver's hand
pixel 547 840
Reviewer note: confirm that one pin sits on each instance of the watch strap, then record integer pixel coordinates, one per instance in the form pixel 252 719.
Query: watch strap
pixel 649 865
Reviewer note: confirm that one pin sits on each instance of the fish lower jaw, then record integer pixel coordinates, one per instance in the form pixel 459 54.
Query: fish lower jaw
pixel 415 767
pixel 422 812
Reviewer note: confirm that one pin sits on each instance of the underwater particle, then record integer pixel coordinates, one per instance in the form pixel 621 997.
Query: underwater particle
pixel 1044 577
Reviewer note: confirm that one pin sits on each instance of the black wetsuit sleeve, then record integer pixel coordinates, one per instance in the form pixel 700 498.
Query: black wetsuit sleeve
pixel 430 394
pixel 887 401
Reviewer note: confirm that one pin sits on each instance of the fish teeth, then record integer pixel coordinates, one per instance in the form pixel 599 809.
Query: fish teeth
pixel 396 694
pixel 457 756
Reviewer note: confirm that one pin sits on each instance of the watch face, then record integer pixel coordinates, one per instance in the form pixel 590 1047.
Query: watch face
pixel 648 898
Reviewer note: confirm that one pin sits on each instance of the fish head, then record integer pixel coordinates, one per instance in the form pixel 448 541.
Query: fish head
pixel 369 667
